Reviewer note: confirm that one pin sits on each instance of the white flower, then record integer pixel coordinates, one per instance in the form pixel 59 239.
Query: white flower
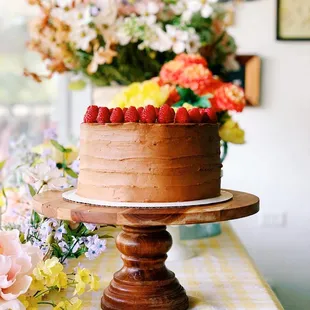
pixel 104 12
pixel 82 36
pixel 44 177
pixel 178 37
pixel 161 41
pixel 59 232
pixel 63 246
pixel 95 247
pixel 64 3
pixel 193 44
pixel 45 229
pixel 75 17
pixel 201 6
pixel 148 11
pixel 90 227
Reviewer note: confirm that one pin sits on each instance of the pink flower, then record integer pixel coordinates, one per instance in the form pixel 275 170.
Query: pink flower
pixel 17 262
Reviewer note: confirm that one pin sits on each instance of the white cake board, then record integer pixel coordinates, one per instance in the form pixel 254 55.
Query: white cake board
pixel 72 196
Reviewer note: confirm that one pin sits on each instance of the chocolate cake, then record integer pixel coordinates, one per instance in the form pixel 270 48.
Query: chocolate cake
pixel 138 162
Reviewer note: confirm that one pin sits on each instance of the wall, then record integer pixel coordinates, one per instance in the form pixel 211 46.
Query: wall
pixel 275 162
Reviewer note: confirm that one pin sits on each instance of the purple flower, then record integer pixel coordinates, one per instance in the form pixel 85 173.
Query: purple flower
pixel 50 134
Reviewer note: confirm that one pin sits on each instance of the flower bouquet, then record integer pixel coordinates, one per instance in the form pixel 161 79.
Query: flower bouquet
pixel 127 41
pixel 34 250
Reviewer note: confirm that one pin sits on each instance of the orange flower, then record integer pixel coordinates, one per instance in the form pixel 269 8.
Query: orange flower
pixel 229 97
pixel 195 77
pixel 212 85
pixel 190 59
pixel 171 71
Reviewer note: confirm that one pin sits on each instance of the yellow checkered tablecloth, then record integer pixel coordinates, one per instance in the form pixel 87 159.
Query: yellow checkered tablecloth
pixel 221 276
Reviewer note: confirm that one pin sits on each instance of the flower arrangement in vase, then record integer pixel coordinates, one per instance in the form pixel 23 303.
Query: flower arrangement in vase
pixel 127 41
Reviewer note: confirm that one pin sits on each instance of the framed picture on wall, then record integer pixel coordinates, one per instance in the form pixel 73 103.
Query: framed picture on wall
pixel 293 20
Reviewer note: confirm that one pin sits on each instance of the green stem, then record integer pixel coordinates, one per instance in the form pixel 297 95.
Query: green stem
pixel 46 303
pixel 224 151
pixel 69 252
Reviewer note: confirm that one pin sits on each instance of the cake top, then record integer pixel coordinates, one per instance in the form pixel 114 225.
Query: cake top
pixel 185 92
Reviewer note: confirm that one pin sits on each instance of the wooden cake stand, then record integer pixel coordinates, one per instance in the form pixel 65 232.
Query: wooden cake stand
pixel 144 282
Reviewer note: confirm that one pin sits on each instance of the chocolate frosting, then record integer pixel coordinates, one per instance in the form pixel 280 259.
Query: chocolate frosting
pixel 136 162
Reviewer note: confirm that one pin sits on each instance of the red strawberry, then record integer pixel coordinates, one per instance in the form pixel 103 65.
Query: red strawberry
pixel 211 114
pixel 205 117
pixel 195 115
pixel 125 110
pixel 117 116
pixel 103 115
pixel 182 116
pixel 111 110
pixel 140 110
pixel 173 112
pixel 157 112
pixel 132 115
pixel 165 114
pixel 148 114
pixel 91 114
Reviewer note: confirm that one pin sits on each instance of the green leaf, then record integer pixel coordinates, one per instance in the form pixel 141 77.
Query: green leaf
pixel 2 163
pixel 68 150
pixel 77 85
pixel 32 190
pixel 35 218
pixel 58 146
pixel 203 102
pixel 70 172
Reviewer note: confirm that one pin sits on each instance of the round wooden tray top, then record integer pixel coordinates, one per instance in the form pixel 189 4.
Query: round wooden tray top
pixel 51 204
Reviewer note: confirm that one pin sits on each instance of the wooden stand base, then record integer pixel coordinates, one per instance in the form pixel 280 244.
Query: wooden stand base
pixel 144 282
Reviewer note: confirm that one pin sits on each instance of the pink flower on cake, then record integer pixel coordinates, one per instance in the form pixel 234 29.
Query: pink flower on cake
pixel 17 262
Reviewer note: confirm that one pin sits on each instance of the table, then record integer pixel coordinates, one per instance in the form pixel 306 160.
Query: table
pixel 144 282
pixel 221 276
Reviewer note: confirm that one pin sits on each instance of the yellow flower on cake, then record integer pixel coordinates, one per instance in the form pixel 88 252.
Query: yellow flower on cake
pixel 231 132
pixel 141 94
pixel 188 106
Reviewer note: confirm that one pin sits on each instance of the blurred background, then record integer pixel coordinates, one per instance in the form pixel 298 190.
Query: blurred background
pixel 273 164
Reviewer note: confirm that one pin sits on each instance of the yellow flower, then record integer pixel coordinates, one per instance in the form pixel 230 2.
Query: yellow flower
pixel 50 273
pixel 61 281
pixel 37 285
pixel 30 302
pixel 57 155
pixel 231 132
pixel 72 304
pixel 188 106
pixel 141 94
pixel 94 283
pixel 82 278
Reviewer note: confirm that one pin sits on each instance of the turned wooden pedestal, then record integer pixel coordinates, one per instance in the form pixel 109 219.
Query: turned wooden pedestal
pixel 144 282
pixel 144 277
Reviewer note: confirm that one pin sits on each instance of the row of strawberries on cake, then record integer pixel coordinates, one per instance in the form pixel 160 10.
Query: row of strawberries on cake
pixel 149 114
